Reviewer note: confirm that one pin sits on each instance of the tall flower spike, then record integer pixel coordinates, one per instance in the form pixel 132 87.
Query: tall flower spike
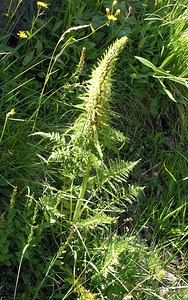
pixel 99 87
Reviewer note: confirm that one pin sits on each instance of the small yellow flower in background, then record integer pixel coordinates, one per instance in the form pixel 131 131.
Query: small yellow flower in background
pixel 22 34
pixel 42 4
pixel 113 13
pixel 111 17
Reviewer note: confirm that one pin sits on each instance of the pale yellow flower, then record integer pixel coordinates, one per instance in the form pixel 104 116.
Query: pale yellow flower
pixel 42 4
pixel 111 17
pixel 22 34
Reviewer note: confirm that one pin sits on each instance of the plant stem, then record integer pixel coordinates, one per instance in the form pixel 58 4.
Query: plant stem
pixel 19 269
pixel 3 131
pixel 79 203
pixel 8 115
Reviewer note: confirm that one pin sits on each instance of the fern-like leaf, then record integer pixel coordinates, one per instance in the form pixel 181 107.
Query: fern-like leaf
pixel 115 247
pixel 96 220
pixel 110 178
pixel 55 137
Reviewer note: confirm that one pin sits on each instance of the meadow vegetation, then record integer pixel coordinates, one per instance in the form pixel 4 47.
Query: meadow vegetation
pixel 94 152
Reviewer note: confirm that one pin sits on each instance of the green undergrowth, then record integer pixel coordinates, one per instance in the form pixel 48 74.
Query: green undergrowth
pixel 93 144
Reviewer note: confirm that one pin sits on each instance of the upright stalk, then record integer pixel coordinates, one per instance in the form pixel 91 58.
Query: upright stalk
pixel 77 212
pixel 97 107
pixel 8 115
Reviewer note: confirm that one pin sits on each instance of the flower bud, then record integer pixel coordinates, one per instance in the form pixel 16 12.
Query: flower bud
pixel 107 11
pixel 118 11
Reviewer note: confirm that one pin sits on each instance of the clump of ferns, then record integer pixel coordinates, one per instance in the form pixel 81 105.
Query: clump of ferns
pixel 82 150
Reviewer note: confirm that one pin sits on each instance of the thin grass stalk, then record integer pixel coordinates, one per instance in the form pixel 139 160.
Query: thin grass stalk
pixel 8 115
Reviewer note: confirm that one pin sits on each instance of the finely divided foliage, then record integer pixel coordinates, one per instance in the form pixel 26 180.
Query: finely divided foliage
pixel 87 139
pixel 91 180
pixel 71 225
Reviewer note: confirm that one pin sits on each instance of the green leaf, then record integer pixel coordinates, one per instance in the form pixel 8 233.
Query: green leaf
pixel 145 62
pixel 98 219
pixel 166 74
pixel 28 58
pixel 165 62
pixel 171 175
pixel 39 47
pixel 167 91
